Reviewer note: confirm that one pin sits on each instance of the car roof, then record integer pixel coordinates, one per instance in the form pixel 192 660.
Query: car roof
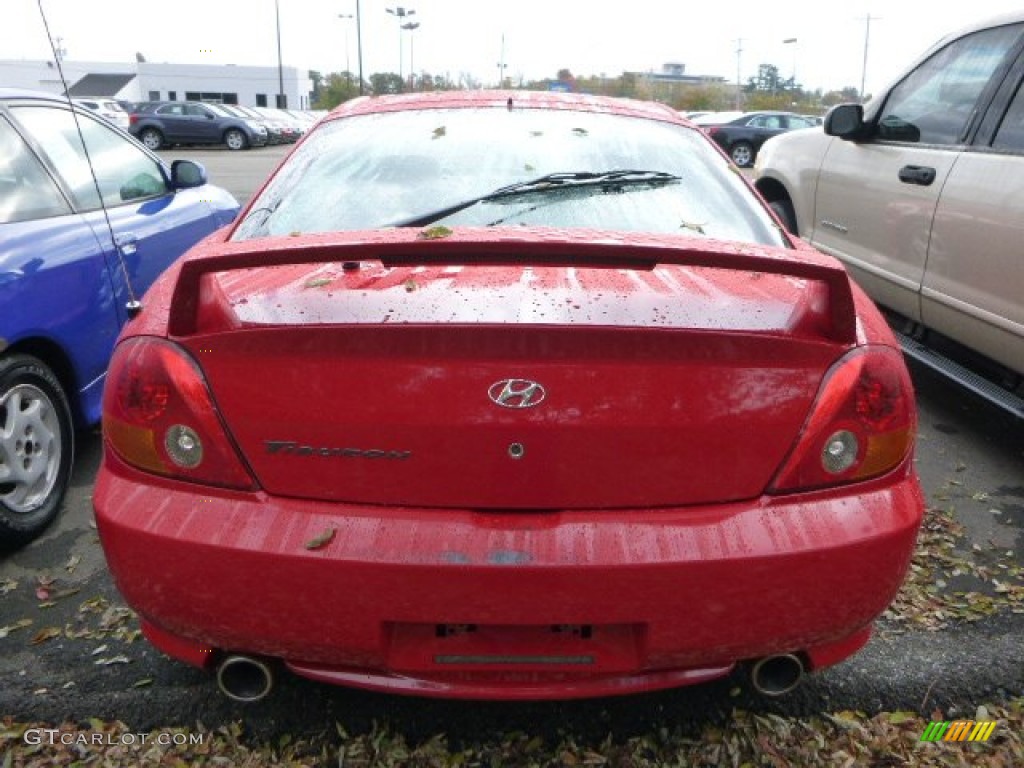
pixel 998 20
pixel 544 100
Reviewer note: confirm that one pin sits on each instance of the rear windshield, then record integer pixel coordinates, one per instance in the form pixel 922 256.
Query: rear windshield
pixel 381 170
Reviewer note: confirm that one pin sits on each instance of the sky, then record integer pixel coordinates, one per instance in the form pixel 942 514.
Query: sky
pixel 534 38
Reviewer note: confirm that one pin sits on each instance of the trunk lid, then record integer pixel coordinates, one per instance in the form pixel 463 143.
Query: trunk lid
pixel 500 386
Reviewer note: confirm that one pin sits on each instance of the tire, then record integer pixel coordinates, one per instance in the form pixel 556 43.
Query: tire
pixel 235 139
pixel 742 153
pixel 784 210
pixel 152 138
pixel 36 449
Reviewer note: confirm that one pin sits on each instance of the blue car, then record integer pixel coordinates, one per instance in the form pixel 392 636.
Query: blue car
pixel 83 234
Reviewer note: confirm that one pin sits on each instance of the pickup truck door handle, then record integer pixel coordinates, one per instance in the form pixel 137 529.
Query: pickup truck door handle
pixel 917 174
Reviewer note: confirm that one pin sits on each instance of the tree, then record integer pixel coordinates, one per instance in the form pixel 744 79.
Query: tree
pixel 767 80
pixel 429 82
pixel 386 82
pixel 338 87
pixel 565 76
pixel 846 95
pixel 705 98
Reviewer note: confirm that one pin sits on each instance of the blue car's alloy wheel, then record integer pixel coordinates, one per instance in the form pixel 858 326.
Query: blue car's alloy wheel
pixel 36 448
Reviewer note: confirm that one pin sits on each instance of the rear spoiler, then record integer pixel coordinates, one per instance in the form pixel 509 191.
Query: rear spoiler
pixel 611 250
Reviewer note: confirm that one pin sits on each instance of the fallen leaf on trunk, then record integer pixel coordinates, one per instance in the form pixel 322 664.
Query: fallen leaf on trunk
pixel 322 540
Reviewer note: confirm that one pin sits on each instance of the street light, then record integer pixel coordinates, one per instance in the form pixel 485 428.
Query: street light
pixel 739 90
pixel 401 14
pixel 348 69
pixel 501 63
pixel 867 38
pixel 411 26
pixel 792 41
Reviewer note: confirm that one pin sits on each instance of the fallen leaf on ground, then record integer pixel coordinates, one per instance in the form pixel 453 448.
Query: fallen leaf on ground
pixel 112 660
pixel 20 624
pixel 44 634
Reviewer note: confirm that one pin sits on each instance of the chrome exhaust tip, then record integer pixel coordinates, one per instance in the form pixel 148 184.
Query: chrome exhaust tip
pixel 244 678
pixel 777 675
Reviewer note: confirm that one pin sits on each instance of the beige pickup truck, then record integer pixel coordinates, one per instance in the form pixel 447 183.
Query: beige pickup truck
pixel 920 193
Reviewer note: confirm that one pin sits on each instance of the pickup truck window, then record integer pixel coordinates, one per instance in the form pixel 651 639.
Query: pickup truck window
pixel 934 104
pixel 1010 135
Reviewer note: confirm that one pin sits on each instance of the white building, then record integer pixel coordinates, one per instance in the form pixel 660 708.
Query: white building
pixel 146 81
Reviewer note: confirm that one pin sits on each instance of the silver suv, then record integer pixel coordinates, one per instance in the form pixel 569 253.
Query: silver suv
pixel 920 193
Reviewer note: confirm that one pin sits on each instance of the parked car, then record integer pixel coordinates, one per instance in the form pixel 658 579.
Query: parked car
pixel 65 285
pixel 305 120
pixel 741 134
pixel 193 122
pixel 106 108
pixel 547 406
pixel 920 193
pixel 274 128
pixel 292 127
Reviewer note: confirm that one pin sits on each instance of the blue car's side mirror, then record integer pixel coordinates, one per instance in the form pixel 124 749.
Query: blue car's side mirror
pixel 186 174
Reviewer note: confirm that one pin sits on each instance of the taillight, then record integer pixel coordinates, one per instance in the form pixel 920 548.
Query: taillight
pixel 133 119
pixel 862 424
pixel 158 415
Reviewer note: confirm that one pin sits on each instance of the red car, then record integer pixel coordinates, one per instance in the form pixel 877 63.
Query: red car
pixel 507 395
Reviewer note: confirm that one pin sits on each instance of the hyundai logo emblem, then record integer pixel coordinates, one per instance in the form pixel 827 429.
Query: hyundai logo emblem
pixel 516 393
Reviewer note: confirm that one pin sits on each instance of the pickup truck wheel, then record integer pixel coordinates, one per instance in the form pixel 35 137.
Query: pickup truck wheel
pixel 152 138
pixel 235 139
pixel 36 448
pixel 742 153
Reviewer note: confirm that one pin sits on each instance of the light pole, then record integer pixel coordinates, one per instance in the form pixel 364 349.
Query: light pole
pixel 867 37
pixel 359 47
pixel 792 41
pixel 411 26
pixel 281 101
pixel 501 63
pixel 739 53
pixel 401 14
pixel 348 69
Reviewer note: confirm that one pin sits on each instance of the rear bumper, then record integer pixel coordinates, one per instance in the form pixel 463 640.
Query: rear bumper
pixel 455 603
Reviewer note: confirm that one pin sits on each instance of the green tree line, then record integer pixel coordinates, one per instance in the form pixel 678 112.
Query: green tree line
pixel 766 90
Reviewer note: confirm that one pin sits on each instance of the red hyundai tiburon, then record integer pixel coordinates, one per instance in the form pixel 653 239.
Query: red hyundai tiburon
pixel 507 395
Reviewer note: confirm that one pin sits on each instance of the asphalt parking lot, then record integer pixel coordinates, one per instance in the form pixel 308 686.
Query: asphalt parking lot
pixel 70 650
pixel 239 172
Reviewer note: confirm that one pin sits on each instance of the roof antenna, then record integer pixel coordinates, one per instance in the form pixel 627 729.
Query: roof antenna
pixel 133 306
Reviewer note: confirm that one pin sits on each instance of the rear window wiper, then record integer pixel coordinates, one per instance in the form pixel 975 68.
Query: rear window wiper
pixel 561 181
